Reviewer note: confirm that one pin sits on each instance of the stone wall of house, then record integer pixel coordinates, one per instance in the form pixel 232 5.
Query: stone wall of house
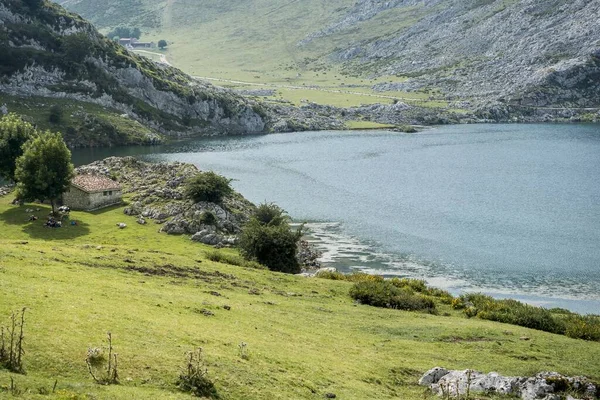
pixel 104 199
pixel 77 199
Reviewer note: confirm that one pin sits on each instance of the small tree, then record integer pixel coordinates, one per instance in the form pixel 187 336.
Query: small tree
pixel 271 214
pixel 14 132
pixel 77 47
pixel 208 186
pixel 162 44
pixel 44 171
pixel 269 239
pixel 56 114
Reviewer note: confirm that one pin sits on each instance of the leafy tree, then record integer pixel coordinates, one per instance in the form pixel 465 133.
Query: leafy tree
pixel 208 186
pixel 44 171
pixel 271 214
pixel 269 239
pixel 14 132
pixel 162 43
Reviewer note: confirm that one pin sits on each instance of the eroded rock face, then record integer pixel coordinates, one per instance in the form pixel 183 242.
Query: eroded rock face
pixel 530 52
pixel 545 385
pixel 157 194
pixel 159 96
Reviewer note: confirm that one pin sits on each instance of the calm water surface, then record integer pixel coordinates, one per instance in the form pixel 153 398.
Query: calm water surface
pixel 511 210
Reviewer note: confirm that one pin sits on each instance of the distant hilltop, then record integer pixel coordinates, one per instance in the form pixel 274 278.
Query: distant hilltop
pixel 527 53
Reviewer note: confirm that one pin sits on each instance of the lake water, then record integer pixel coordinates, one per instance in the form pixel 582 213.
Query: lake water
pixel 510 210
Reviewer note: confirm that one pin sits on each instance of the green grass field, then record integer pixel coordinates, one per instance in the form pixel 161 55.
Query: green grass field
pixel 305 336
pixel 259 43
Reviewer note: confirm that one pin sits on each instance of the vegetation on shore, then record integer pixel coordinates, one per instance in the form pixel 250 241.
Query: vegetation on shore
pixel 414 294
pixel 162 297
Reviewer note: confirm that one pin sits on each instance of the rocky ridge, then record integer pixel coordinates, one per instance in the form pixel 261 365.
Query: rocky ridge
pixel 528 53
pixel 49 52
pixel 157 194
pixel 312 116
pixel 545 385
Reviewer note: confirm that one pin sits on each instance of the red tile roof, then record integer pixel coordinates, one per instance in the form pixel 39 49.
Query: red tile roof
pixel 94 183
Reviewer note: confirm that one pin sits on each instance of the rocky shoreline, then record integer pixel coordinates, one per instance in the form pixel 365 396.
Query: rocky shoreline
pixel 316 117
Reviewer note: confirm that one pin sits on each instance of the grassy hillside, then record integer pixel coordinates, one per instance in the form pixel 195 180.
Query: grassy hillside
pixel 160 297
pixel 82 124
pixel 443 50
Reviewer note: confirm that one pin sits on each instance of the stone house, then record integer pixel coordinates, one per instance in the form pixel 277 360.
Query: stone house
pixel 132 43
pixel 91 192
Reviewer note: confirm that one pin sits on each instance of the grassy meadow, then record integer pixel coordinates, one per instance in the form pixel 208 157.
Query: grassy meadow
pixel 260 43
pixel 160 296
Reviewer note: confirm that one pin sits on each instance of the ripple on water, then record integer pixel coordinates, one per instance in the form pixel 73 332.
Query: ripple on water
pixel 348 253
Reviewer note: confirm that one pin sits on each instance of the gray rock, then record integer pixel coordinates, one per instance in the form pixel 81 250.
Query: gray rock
pixel 545 385
pixel 433 376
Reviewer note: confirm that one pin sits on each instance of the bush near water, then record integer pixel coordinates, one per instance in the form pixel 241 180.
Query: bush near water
pixel 562 322
pixel 415 295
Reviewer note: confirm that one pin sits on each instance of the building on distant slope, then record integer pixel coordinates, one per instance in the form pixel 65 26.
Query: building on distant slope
pixel 91 192
pixel 133 43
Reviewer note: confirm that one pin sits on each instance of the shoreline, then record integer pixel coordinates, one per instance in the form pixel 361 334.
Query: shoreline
pixel 347 253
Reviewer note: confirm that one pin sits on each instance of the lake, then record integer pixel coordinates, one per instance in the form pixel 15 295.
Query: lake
pixel 509 210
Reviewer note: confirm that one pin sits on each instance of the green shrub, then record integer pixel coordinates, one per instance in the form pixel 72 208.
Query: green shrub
pixel 208 218
pixel 457 303
pixel 470 312
pixel 56 114
pixel 357 277
pixel 232 259
pixel 556 320
pixel 514 312
pixel 387 295
pixel 271 214
pixel 415 285
pixel 586 327
pixel 271 241
pixel 331 275
pixel 353 277
pixel 208 186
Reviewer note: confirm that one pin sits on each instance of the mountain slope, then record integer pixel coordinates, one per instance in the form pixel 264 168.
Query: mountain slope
pixel 46 51
pixel 529 53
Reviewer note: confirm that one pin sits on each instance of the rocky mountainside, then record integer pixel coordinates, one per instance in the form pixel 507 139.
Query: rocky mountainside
pixel 482 53
pixel 48 52
pixel 528 52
